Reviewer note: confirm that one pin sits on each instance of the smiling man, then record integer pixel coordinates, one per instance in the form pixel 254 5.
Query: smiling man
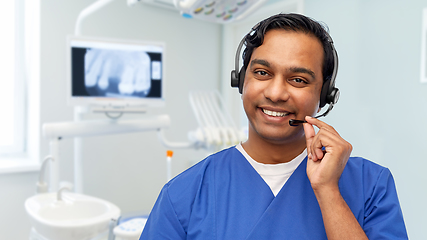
pixel 284 182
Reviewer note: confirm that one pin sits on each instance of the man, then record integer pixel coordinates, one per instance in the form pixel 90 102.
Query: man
pixel 284 182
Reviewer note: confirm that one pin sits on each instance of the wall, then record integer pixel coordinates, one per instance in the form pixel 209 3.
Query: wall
pixel 382 106
pixel 128 170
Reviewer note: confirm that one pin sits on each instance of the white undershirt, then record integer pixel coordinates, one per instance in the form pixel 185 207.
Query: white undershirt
pixel 275 175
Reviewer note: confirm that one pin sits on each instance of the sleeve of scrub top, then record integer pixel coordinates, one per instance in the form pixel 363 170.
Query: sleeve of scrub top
pixel 163 222
pixel 383 215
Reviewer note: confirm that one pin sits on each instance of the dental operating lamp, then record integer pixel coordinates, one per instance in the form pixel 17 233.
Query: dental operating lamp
pixel 224 11
pixel 217 11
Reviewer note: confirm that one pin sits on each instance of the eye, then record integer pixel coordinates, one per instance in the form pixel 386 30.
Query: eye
pixel 299 80
pixel 261 73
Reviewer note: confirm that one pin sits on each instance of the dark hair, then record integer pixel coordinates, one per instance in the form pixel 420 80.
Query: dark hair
pixel 291 22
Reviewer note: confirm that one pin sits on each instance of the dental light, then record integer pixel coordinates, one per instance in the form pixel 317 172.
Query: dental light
pixel 219 11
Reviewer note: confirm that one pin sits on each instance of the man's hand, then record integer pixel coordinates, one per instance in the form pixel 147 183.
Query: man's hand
pixel 327 153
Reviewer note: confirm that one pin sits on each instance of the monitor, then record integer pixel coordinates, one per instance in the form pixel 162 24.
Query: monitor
pixel 115 73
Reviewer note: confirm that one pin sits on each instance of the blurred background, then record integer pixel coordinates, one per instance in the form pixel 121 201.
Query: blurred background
pixel 381 112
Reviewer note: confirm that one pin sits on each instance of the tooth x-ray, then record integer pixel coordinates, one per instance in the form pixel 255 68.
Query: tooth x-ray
pixel 106 70
pixel 112 72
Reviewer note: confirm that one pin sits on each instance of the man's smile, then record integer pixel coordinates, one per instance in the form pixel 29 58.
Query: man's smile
pixel 274 113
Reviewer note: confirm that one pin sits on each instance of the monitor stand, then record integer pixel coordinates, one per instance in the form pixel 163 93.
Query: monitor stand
pixel 118 109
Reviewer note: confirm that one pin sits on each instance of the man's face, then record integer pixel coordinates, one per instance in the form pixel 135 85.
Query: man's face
pixel 283 81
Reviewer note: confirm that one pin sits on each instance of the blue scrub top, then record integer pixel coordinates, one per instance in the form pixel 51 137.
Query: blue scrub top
pixel 223 197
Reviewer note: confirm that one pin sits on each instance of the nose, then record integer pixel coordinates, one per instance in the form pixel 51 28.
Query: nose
pixel 277 90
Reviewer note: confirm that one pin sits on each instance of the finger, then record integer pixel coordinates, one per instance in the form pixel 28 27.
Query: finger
pixel 309 136
pixel 314 145
pixel 320 142
pixel 320 124
pixel 312 138
pixel 324 138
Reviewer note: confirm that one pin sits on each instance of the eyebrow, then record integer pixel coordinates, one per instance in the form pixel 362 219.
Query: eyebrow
pixel 302 70
pixel 261 62
pixel 292 69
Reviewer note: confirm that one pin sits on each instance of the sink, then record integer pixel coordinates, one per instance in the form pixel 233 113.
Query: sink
pixel 70 216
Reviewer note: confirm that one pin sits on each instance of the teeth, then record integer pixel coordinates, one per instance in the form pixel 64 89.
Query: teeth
pixel 275 114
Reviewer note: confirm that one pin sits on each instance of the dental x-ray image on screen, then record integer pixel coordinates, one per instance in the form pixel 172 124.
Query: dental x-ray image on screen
pixel 115 73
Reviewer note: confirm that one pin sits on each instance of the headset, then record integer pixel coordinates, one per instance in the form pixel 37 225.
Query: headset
pixel 329 94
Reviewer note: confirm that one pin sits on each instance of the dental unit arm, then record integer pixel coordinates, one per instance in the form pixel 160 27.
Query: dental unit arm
pixel 56 131
pixel 88 11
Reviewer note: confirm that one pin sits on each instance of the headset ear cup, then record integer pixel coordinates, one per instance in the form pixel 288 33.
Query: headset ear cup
pixel 324 94
pixel 242 74
pixel 234 79
pixel 334 96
